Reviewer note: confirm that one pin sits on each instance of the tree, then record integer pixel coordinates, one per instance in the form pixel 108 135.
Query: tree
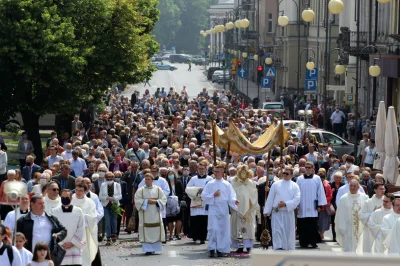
pixel 169 23
pixel 56 55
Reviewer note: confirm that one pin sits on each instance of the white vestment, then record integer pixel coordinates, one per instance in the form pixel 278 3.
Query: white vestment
pixel 74 222
pixel 388 223
pixel 348 225
pixel 283 220
pixel 243 220
pixel 26 256
pixel 99 207
pixel 50 204
pixel 10 219
pixel 89 210
pixel 312 193
pixel 343 191
pixel 195 181
pixel 366 211
pixel 374 225
pixel 392 241
pixel 218 227
pixel 151 227
pixel 163 184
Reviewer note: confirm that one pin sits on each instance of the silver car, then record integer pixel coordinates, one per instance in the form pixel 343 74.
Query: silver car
pixel 216 75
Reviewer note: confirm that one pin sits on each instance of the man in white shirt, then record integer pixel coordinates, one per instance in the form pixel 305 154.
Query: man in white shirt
pixel 5 259
pixel 67 154
pixel 337 118
pixel 77 164
pixel 53 157
pixel 38 226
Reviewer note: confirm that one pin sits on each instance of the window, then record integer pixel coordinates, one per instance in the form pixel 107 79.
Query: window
pixel 332 138
pixel 270 23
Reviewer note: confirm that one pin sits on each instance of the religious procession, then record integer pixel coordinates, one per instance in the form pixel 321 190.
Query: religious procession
pixel 164 168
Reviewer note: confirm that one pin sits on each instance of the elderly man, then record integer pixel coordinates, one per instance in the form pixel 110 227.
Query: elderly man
pixel 3 197
pixel 30 168
pixel 38 226
pixel 344 189
pixel 73 219
pixel 67 154
pixel 349 227
pixel 52 199
pixel 64 179
pixel 135 153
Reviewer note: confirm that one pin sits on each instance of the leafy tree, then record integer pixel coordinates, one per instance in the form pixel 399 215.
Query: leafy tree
pixel 56 55
pixel 169 23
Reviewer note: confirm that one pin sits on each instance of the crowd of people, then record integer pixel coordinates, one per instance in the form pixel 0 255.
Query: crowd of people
pixel 147 166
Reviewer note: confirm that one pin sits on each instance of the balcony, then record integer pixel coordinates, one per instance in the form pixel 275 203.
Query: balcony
pixel 348 41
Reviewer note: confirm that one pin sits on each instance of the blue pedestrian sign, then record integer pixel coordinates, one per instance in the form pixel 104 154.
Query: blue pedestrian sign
pixel 222 56
pixel 310 86
pixel 242 73
pixel 312 74
pixel 174 48
pixel 216 57
pixel 266 82
pixel 270 72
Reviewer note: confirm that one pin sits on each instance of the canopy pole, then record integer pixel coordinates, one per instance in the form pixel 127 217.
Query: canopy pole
pixel 213 138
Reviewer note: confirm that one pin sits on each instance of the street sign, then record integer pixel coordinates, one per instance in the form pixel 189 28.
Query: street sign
pixel 242 73
pixel 164 47
pixel 270 72
pixel 310 86
pixel 173 48
pixel 335 88
pixel 216 57
pixel 350 99
pixel 266 82
pixel 222 56
pixel 312 74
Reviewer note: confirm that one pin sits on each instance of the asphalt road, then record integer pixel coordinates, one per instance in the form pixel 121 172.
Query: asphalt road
pixel 194 81
pixel 127 251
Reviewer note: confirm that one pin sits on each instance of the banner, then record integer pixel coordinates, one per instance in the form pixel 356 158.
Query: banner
pixel 241 145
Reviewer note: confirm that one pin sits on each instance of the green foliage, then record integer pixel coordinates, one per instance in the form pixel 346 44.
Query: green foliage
pixel 116 210
pixel 180 23
pixel 13 129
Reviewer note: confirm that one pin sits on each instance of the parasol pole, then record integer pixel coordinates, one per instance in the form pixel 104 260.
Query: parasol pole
pixel 214 128
pixel 227 158
pixel 282 144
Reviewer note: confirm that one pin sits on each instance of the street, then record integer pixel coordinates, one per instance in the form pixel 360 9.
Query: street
pixel 194 81
pixel 127 251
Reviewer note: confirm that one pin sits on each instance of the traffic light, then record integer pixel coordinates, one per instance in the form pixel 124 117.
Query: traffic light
pixel 223 64
pixel 259 72
pixel 239 64
pixel 205 54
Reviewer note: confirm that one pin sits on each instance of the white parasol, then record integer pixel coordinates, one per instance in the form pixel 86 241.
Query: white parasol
pixel 380 136
pixel 391 165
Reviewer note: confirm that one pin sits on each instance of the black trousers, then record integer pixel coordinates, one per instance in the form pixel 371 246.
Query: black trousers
pixel 333 226
pixel 97 259
pixel 199 224
pixel 164 220
pixel 128 214
pixel 186 221
pixel 308 231
pixel 337 128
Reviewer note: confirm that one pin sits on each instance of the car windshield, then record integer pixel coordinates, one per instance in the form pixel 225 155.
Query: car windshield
pixel 273 106
pixel 332 138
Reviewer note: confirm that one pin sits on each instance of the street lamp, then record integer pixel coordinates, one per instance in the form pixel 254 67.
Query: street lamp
pixel 283 20
pixel 237 24
pixel 230 25
pixel 374 70
pixel 202 32
pixel 340 69
pixel 310 65
pixel 268 60
pixel 336 6
pixel 244 54
pixel 255 57
pixel 308 15
pixel 383 1
pixel 244 23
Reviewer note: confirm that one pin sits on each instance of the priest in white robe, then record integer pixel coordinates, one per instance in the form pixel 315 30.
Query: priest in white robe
pixel 150 200
pixel 393 239
pixel 311 201
pixel 389 222
pixel 22 210
pixel 372 204
pixel 243 220
pixel 88 207
pixel 52 198
pixel 73 219
pixel 283 199
pixel 218 194
pixel 348 225
pixel 375 224
pixel 198 212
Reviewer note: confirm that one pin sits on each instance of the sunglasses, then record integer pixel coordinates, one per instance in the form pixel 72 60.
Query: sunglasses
pixel 308 167
pixel 286 173
pixel 103 171
pixel 109 179
pixel 55 189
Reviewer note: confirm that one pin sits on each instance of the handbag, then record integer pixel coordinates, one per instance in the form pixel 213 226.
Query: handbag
pixel 57 253
pixel 330 210
pixel 131 223
pixel 183 204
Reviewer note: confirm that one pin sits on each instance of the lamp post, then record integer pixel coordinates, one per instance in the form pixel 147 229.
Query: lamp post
pixel 309 65
pixel 374 71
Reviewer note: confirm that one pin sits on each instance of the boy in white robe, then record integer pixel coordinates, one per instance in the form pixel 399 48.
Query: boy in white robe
pixel 283 199
pixel 389 221
pixel 348 224
pixel 375 224
pixel 150 200
pixel 88 207
pixel 372 204
pixel 73 219
pixel 218 194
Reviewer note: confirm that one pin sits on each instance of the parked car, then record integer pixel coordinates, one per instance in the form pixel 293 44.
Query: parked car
pixel 275 106
pixel 211 71
pixel 179 58
pixel 156 58
pixel 166 57
pixel 225 76
pixel 294 124
pixel 201 62
pixel 216 75
pixel 340 145
pixel 164 66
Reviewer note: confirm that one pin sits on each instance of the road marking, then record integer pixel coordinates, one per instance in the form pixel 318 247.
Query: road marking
pixel 331 244
pixel 172 254
pixel 337 249
pixel 172 81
